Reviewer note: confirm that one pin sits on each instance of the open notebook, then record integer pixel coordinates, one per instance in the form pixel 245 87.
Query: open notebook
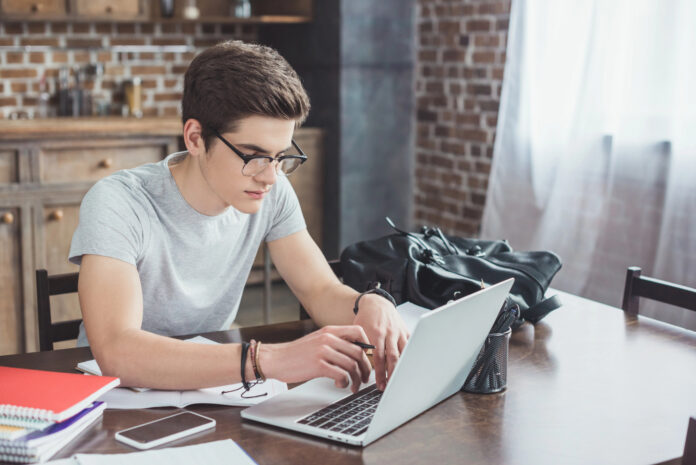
pixel 232 394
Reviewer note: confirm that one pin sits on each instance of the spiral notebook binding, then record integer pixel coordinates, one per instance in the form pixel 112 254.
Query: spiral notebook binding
pixel 13 411
pixel 18 450
pixel 16 458
pixel 25 422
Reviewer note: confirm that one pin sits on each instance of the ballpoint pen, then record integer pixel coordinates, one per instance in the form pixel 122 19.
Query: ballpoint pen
pixel 362 345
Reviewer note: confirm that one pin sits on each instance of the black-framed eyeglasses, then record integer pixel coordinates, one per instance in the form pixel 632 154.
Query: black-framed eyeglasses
pixel 255 164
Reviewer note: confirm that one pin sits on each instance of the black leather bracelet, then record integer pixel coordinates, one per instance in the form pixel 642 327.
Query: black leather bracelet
pixel 378 291
pixel 245 349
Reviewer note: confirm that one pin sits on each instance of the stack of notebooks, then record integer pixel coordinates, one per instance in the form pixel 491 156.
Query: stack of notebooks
pixel 42 411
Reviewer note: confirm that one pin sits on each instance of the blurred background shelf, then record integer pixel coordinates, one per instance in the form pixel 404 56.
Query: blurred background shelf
pixel 264 19
pixel 145 11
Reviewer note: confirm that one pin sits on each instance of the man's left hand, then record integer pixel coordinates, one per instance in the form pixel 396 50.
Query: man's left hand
pixel 386 331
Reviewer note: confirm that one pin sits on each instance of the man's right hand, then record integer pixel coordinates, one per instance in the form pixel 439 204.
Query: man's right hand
pixel 328 352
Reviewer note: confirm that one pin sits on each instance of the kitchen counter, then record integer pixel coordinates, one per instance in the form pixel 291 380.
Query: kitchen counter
pixel 68 128
pixel 107 126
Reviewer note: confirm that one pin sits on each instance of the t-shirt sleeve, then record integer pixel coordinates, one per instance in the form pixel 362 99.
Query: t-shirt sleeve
pixel 112 224
pixel 287 216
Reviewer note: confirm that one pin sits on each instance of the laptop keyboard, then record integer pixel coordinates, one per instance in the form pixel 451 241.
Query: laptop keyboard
pixel 350 415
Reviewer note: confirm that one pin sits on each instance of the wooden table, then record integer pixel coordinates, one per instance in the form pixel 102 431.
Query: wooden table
pixel 587 385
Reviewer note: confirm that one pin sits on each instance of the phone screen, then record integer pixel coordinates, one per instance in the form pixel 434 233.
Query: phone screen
pixel 165 427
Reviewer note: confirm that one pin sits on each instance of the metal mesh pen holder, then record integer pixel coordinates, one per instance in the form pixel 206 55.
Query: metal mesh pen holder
pixel 489 373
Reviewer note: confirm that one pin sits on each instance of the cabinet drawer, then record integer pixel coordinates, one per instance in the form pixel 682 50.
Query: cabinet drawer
pixel 91 164
pixel 8 167
pixel 33 7
pixel 106 8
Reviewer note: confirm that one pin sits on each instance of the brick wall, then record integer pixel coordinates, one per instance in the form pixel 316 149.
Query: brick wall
pixel 459 73
pixel 80 44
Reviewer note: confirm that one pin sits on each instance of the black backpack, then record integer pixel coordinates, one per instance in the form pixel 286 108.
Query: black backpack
pixel 430 269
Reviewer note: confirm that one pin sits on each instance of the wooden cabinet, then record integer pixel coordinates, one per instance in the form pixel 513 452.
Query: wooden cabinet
pixel 15 248
pixel 263 11
pixel 42 181
pixel 77 9
pixel 71 162
pixel 32 8
pixel 8 167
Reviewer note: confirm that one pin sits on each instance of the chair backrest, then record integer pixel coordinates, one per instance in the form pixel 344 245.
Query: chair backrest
pixel 655 289
pixel 336 268
pixel 689 457
pixel 46 286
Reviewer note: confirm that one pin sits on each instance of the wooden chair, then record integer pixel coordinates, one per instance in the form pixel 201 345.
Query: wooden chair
pixel 336 268
pixel 46 286
pixel 689 457
pixel 655 289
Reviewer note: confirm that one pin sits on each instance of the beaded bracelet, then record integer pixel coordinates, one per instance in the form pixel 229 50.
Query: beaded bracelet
pixel 257 364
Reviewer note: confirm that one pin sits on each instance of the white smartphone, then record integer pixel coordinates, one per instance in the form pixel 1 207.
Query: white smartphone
pixel 164 430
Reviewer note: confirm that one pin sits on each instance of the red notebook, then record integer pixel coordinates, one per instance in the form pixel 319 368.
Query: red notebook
pixel 48 395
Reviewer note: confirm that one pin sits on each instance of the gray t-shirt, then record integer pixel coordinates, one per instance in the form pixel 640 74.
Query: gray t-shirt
pixel 192 267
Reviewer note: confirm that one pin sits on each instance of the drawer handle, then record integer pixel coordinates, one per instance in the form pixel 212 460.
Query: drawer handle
pixel 109 9
pixel 7 218
pixel 35 7
pixel 106 163
pixel 56 215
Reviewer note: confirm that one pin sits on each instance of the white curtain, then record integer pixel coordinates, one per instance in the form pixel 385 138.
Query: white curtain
pixel 595 152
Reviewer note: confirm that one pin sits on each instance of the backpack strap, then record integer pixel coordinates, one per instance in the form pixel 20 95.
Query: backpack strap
pixel 536 312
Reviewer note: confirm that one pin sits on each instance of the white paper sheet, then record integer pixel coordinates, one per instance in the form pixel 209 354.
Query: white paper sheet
pixel 410 313
pixel 221 452
pixel 123 398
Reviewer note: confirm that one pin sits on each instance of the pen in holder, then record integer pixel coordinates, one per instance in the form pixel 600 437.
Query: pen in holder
pixel 489 372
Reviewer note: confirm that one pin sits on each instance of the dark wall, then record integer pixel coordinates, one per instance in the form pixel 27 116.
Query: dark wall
pixel 356 60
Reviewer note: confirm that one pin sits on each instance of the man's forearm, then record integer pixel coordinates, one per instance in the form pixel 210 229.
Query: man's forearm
pixel 143 359
pixel 332 305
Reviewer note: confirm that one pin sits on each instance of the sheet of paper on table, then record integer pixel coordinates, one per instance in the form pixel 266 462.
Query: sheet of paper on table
pixel 410 313
pixel 222 452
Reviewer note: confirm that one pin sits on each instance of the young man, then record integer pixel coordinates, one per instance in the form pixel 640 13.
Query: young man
pixel 166 248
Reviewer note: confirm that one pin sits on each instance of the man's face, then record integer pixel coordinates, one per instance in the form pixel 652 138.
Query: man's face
pixel 222 168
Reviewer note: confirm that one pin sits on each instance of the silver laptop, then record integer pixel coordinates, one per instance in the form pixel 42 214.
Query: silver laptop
pixel 433 366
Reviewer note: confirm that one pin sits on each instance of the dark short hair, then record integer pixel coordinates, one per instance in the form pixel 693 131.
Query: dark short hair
pixel 233 80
